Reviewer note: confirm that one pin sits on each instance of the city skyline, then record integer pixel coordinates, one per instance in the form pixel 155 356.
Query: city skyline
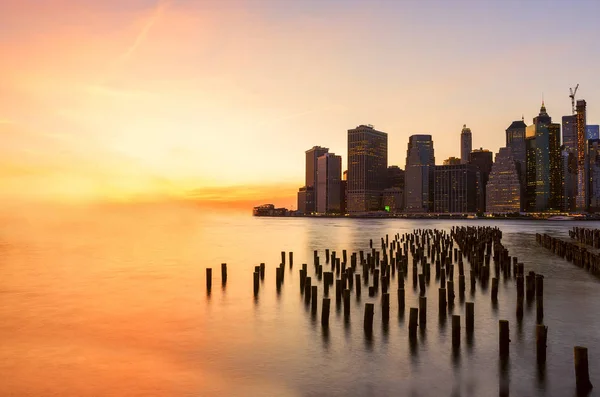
pixel 135 98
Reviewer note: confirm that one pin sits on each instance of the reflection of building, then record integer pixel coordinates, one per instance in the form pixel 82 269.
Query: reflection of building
pixel 367 165
pixel 452 161
pixel 482 159
pixel 393 199
pixel 515 140
pixel 593 177
pixel 466 143
pixel 456 188
pixel 504 186
pixel 581 198
pixel 418 182
pixel 329 175
pixel 306 200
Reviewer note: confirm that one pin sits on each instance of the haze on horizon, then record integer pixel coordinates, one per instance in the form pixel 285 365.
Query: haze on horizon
pixel 218 100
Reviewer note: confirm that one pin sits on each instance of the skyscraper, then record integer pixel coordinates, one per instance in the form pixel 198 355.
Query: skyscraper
pixel 592 131
pixel 483 160
pixel 307 195
pixel 569 158
pixel 367 164
pixel 515 140
pixel 466 143
pixel 329 175
pixel 504 186
pixel 555 201
pixel 593 177
pixel 395 177
pixel 418 182
pixel 581 198
pixel 456 188
pixel 569 133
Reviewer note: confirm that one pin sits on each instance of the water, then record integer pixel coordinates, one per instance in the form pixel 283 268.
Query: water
pixel 112 302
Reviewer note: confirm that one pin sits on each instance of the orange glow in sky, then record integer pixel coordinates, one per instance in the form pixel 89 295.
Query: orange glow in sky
pixel 218 100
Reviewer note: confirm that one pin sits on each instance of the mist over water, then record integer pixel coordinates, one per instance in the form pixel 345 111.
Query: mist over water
pixel 112 301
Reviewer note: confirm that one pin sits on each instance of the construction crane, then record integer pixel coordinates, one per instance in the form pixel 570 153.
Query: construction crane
pixel 572 96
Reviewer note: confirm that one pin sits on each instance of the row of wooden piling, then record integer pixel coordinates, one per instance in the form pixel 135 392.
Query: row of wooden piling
pixel 575 252
pixel 586 236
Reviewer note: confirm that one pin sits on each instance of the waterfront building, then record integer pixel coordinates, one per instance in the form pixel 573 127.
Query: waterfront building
pixel 555 200
pixel 593 176
pixel 395 177
pixel 483 160
pixel 530 170
pixel 393 199
pixel 503 194
pixel 307 195
pixel 581 198
pixel 466 144
pixel 569 179
pixel 569 133
pixel 456 188
pixel 592 131
pixel 452 161
pixel 367 165
pixel 344 193
pixel 329 175
pixel 515 140
pixel 418 183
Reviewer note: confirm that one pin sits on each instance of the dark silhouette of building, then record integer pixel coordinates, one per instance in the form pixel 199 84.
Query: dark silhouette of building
pixel 555 201
pixel 466 144
pixel 344 193
pixel 395 177
pixel 456 189
pixel 515 140
pixel 483 160
pixel 452 161
pixel 307 202
pixel 329 175
pixel 593 175
pixel 367 165
pixel 418 183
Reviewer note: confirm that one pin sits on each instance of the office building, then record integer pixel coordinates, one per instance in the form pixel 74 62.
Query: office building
pixel 329 176
pixel 344 193
pixel 367 165
pixel 466 144
pixel 395 177
pixel 515 140
pixel 393 199
pixel 593 175
pixel 555 200
pixel 569 133
pixel 456 188
pixel 418 182
pixel 452 161
pixel 581 198
pixel 483 160
pixel 503 193
pixel 307 195
pixel 569 179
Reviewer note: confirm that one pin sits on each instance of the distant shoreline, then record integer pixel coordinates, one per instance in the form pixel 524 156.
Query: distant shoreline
pixel 433 217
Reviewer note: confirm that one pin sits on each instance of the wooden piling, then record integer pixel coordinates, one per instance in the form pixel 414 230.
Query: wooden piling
pixel 470 317
pixel 262 271
pixel 412 322
pixel 223 273
pixel 307 289
pixel 302 279
pixel 338 291
pixel 541 337
pixel 422 284
pixel 455 331
pixel 582 374
pixel 401 300
pixel 368 323
pixel 346 303
pixel 283 257
pixel 256 282
pixel 473 280
pixel 494 290
pixel 313 299
pixel 442 300
pixel 357 284
pixel 450 284
pixel 325 312
pixel 208 278
pixel 385 308
pixel 422 311
pixel 504 338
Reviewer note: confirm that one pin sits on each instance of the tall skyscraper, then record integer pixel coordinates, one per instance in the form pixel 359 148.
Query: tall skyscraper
pixel 515 140
pixel 593 177
pixel 367 165
pixel 504 186
pixel 483 160
pixel 466 144
pixel 592 131
pixel 329 176
pixel 307 195
pixel 581 198
pixel 569 133
pixel 456 188
pixel 418 182
pixel 569 158
pixel 544 181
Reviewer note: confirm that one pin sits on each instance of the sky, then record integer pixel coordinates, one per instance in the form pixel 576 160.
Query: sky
pixel 216 101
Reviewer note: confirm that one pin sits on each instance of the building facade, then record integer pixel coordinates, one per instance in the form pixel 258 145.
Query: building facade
pixel 367 165
pixel 483 160
pixel 306 200
pixel 593 176
pixel 418 182
pixel 395 177
pixel 515 140
pixel 581 198
pixel 456 189
pixel 592 131
pixel 393 199
pixel 329 176
pixel 466 144
pixel 309 204
pixel 503 194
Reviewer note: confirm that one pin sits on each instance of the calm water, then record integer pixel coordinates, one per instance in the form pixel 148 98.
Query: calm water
pixel 112 302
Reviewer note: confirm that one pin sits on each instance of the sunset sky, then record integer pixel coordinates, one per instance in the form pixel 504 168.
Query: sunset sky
pixel 218 100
